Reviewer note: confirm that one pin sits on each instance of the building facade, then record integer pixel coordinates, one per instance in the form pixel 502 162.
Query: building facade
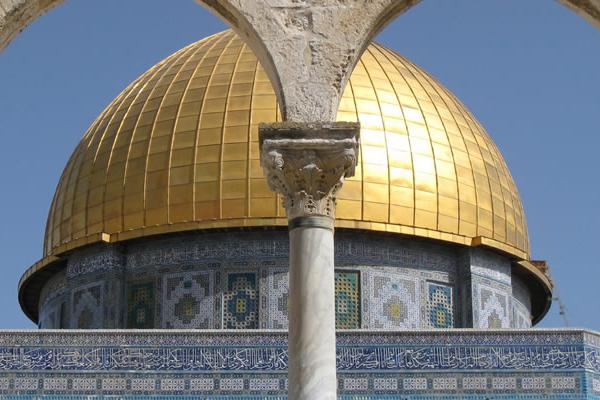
pixel 162 220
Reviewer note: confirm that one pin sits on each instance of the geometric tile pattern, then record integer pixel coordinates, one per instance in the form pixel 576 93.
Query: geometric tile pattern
pixel 188 300
pixel 277 295
pixel 445 384
pixel 451 365
pixel 143 385
pixel 489 265
pixel 392 291
pixel 355 384
pixel 231 384
pixel 347 300
pixel 440 306
pixel 493 309
pixel 491 293
pixel 521 303
pixel 50 314
pixel 370 386
pixel 394 300
pixel 533 383
pixel 52 295
pixel 140 305
pixel 504 383
pixel 596 385
pixel 415 384
pixel 474 383
pixel 240 301
pixel 521 315
pixel 87 307
pixel 263 384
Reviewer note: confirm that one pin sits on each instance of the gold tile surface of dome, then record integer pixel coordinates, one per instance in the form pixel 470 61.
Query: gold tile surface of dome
pixel 178 150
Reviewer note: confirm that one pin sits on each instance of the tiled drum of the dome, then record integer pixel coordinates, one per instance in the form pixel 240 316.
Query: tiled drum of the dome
pixel 393 282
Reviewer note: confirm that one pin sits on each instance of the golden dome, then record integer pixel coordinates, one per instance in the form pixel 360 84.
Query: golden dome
pixel 178 150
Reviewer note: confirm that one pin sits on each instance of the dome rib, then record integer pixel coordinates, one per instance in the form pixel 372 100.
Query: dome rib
pixel 158 139
pixel 456 230
pixel 178 150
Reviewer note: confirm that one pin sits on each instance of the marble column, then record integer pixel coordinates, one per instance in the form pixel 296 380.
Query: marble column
pixel 307 164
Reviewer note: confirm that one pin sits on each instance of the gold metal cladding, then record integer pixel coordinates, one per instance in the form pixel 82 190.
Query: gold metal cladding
pixel 178 150
pixel 311 222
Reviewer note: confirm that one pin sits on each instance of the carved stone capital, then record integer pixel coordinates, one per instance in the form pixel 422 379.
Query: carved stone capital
pixel 307 163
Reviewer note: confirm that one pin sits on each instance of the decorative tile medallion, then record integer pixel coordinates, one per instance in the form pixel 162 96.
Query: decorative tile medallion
pixel 277 299
pixel 143 385
pixel 140 305
pixel 440 307
pixel 188 300
pixel 474 383
pixel 240 301
pixel 84 384
pixel 493 311
pixel 264 384
pixel 347 300
pixel 87 307
pixel 394 300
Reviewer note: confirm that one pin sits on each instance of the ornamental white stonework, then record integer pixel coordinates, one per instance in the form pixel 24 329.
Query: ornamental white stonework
pixel 307 164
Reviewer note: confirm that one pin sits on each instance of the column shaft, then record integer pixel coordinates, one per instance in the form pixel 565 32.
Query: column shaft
pixel 312 360
pixel 307 164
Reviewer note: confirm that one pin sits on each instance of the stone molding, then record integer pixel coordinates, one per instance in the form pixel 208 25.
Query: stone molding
pixel 307 163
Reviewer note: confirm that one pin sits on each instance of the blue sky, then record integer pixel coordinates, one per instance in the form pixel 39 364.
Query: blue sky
pixel 528 70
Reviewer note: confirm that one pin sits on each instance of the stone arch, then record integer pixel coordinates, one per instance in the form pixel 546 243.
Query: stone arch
pixel 307 57
pixel 280 31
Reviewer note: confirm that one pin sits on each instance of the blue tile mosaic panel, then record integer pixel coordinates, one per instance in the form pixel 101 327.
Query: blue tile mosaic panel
pixel 394 300
pixel 440 305
pixel 347 300
pixel 188 300
pixel 277 299
pixel 87 306
pixel 52 315
pixel 240 301
pixel 449 365
pixel 140 305
pixel 493 312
